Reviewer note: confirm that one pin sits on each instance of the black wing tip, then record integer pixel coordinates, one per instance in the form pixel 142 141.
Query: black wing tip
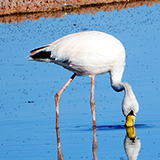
pixel 38 48
pixel 42 55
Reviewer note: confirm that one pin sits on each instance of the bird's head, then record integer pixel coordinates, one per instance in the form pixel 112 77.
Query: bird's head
pixel 130 105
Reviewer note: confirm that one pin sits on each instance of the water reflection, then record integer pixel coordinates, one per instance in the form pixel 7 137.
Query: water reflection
pixel 132 144
pixel 95 145
pixel 60 155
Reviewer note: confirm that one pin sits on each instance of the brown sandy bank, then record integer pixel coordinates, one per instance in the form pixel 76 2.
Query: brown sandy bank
pixel 20 10
pixel 28 6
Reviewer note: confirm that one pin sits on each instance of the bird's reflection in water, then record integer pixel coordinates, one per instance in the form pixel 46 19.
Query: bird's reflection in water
pixel 95 145
pixel 60 155
pixel 132 144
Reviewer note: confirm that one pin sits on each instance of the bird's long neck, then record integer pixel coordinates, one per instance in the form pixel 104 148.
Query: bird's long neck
pixel 130 104
pixel 116 83
pixel 119 86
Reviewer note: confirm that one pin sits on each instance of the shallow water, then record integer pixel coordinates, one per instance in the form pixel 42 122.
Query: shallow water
pixel 27 89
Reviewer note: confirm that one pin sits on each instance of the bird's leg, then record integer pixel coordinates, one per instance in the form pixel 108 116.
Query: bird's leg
pixel 58 97
pixel 95 145
pixel 93 105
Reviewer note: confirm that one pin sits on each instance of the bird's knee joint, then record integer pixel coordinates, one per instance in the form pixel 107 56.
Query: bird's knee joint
pixel 57 97
pixel 93 104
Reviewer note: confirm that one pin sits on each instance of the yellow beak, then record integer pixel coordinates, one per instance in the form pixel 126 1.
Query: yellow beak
pixel 130 120
pixel 131 132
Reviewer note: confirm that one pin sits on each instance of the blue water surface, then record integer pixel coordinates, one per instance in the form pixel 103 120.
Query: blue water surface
pixel 27 89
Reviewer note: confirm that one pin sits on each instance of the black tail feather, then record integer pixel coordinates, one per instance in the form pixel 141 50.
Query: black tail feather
pixel 42 55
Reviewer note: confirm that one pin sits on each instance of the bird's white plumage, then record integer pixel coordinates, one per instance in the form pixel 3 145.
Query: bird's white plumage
pixel 129 101
pixel 89 53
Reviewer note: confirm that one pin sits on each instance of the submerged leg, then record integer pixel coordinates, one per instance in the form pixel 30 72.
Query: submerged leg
pixel 58 97
pixel 93 105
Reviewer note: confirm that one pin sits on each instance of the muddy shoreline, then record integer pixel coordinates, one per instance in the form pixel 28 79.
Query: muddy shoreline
pixel 30 6
pixel 17 10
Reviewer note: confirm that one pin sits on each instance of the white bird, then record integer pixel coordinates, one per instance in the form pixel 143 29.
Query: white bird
pixel 91 53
